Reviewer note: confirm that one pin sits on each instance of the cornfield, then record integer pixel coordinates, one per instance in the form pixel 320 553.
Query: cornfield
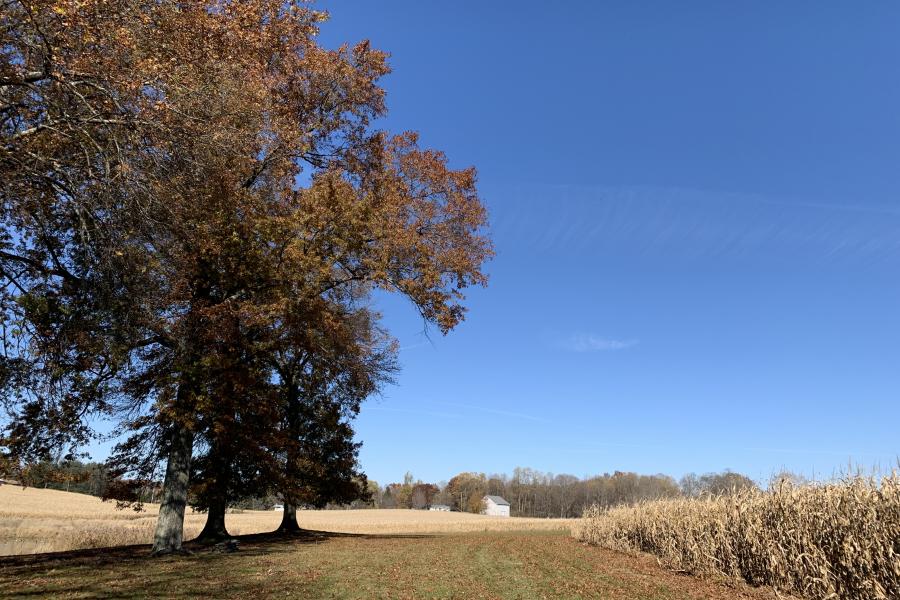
pixel 826 541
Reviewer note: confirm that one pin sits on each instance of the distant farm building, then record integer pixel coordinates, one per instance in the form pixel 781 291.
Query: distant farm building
pixel 495 506
pixel 439 507
pixel 279 507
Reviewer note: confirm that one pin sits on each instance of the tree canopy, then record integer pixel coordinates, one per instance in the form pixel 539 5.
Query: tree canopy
pixel 195 198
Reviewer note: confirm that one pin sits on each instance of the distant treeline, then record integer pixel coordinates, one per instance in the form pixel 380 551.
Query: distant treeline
pixel 70 476
pixel 94 479
pixel 531 493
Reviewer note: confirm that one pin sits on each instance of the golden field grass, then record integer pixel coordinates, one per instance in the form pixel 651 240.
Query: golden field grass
pixel 834 541
pixel 39 520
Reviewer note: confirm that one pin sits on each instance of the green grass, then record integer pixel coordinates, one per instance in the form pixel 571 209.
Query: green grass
pixel 484 565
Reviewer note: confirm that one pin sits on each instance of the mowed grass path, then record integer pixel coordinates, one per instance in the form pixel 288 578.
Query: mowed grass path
pixel 528 564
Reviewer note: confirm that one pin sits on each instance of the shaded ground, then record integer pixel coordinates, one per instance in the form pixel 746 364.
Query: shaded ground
pixel 321 565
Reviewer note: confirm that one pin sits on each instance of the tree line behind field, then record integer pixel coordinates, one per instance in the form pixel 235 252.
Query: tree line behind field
pixel 69 476
pixel 532 493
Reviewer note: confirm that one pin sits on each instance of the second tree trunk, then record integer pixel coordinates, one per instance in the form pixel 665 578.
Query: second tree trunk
pixel 214 530
pixel 289 519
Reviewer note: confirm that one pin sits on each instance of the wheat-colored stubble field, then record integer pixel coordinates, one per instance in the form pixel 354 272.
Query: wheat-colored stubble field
pixel 39 520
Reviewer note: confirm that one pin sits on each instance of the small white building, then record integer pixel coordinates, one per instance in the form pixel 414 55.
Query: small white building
pixel 279 507
pixel 439 507
pixel 495 506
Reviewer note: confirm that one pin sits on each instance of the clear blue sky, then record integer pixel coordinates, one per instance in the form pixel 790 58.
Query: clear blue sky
pixel 696 209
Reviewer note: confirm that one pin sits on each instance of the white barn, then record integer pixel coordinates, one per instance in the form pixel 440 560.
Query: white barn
pixel 496 506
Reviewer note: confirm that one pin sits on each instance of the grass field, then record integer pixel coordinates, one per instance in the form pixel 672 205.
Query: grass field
pixel 522 565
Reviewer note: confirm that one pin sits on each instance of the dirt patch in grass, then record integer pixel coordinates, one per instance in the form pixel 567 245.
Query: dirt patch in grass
pixel 321 565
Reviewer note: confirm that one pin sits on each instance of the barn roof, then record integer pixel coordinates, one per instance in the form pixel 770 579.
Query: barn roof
pixel 497 500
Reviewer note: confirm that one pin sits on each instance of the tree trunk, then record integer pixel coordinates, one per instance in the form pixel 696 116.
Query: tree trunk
pixel 214 531
pixel 170 524
pixel 289 522
pixel 289 516
pixel 217 476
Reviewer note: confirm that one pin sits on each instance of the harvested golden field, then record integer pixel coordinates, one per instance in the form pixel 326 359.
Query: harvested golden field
pixel 39 520
pixel 839 540
pixel 419 521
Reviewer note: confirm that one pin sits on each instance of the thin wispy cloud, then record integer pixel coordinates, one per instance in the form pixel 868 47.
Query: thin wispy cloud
pixel 468 407
pixel 588 342
pixel 424 413
pixel 679 222
pixel 418 345
pixel 493 411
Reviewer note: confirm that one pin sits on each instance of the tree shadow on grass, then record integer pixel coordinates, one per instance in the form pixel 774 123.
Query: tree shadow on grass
pixel 253 543
pixel 130 571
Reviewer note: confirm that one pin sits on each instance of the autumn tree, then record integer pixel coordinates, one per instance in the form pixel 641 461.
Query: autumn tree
pixel 690 485
pixel 715 484
pixel 329 357
pixel 235 433
pixel 786 478
pixel 374 492
pixel 423 495
pixel 325 468
pixel 70 476
pixel 62 131
pixel 727 482
pixel 467 490
pixel 151 163
pixel 387 497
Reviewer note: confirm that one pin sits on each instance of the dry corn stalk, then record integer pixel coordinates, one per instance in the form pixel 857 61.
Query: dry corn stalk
pixel 836 540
